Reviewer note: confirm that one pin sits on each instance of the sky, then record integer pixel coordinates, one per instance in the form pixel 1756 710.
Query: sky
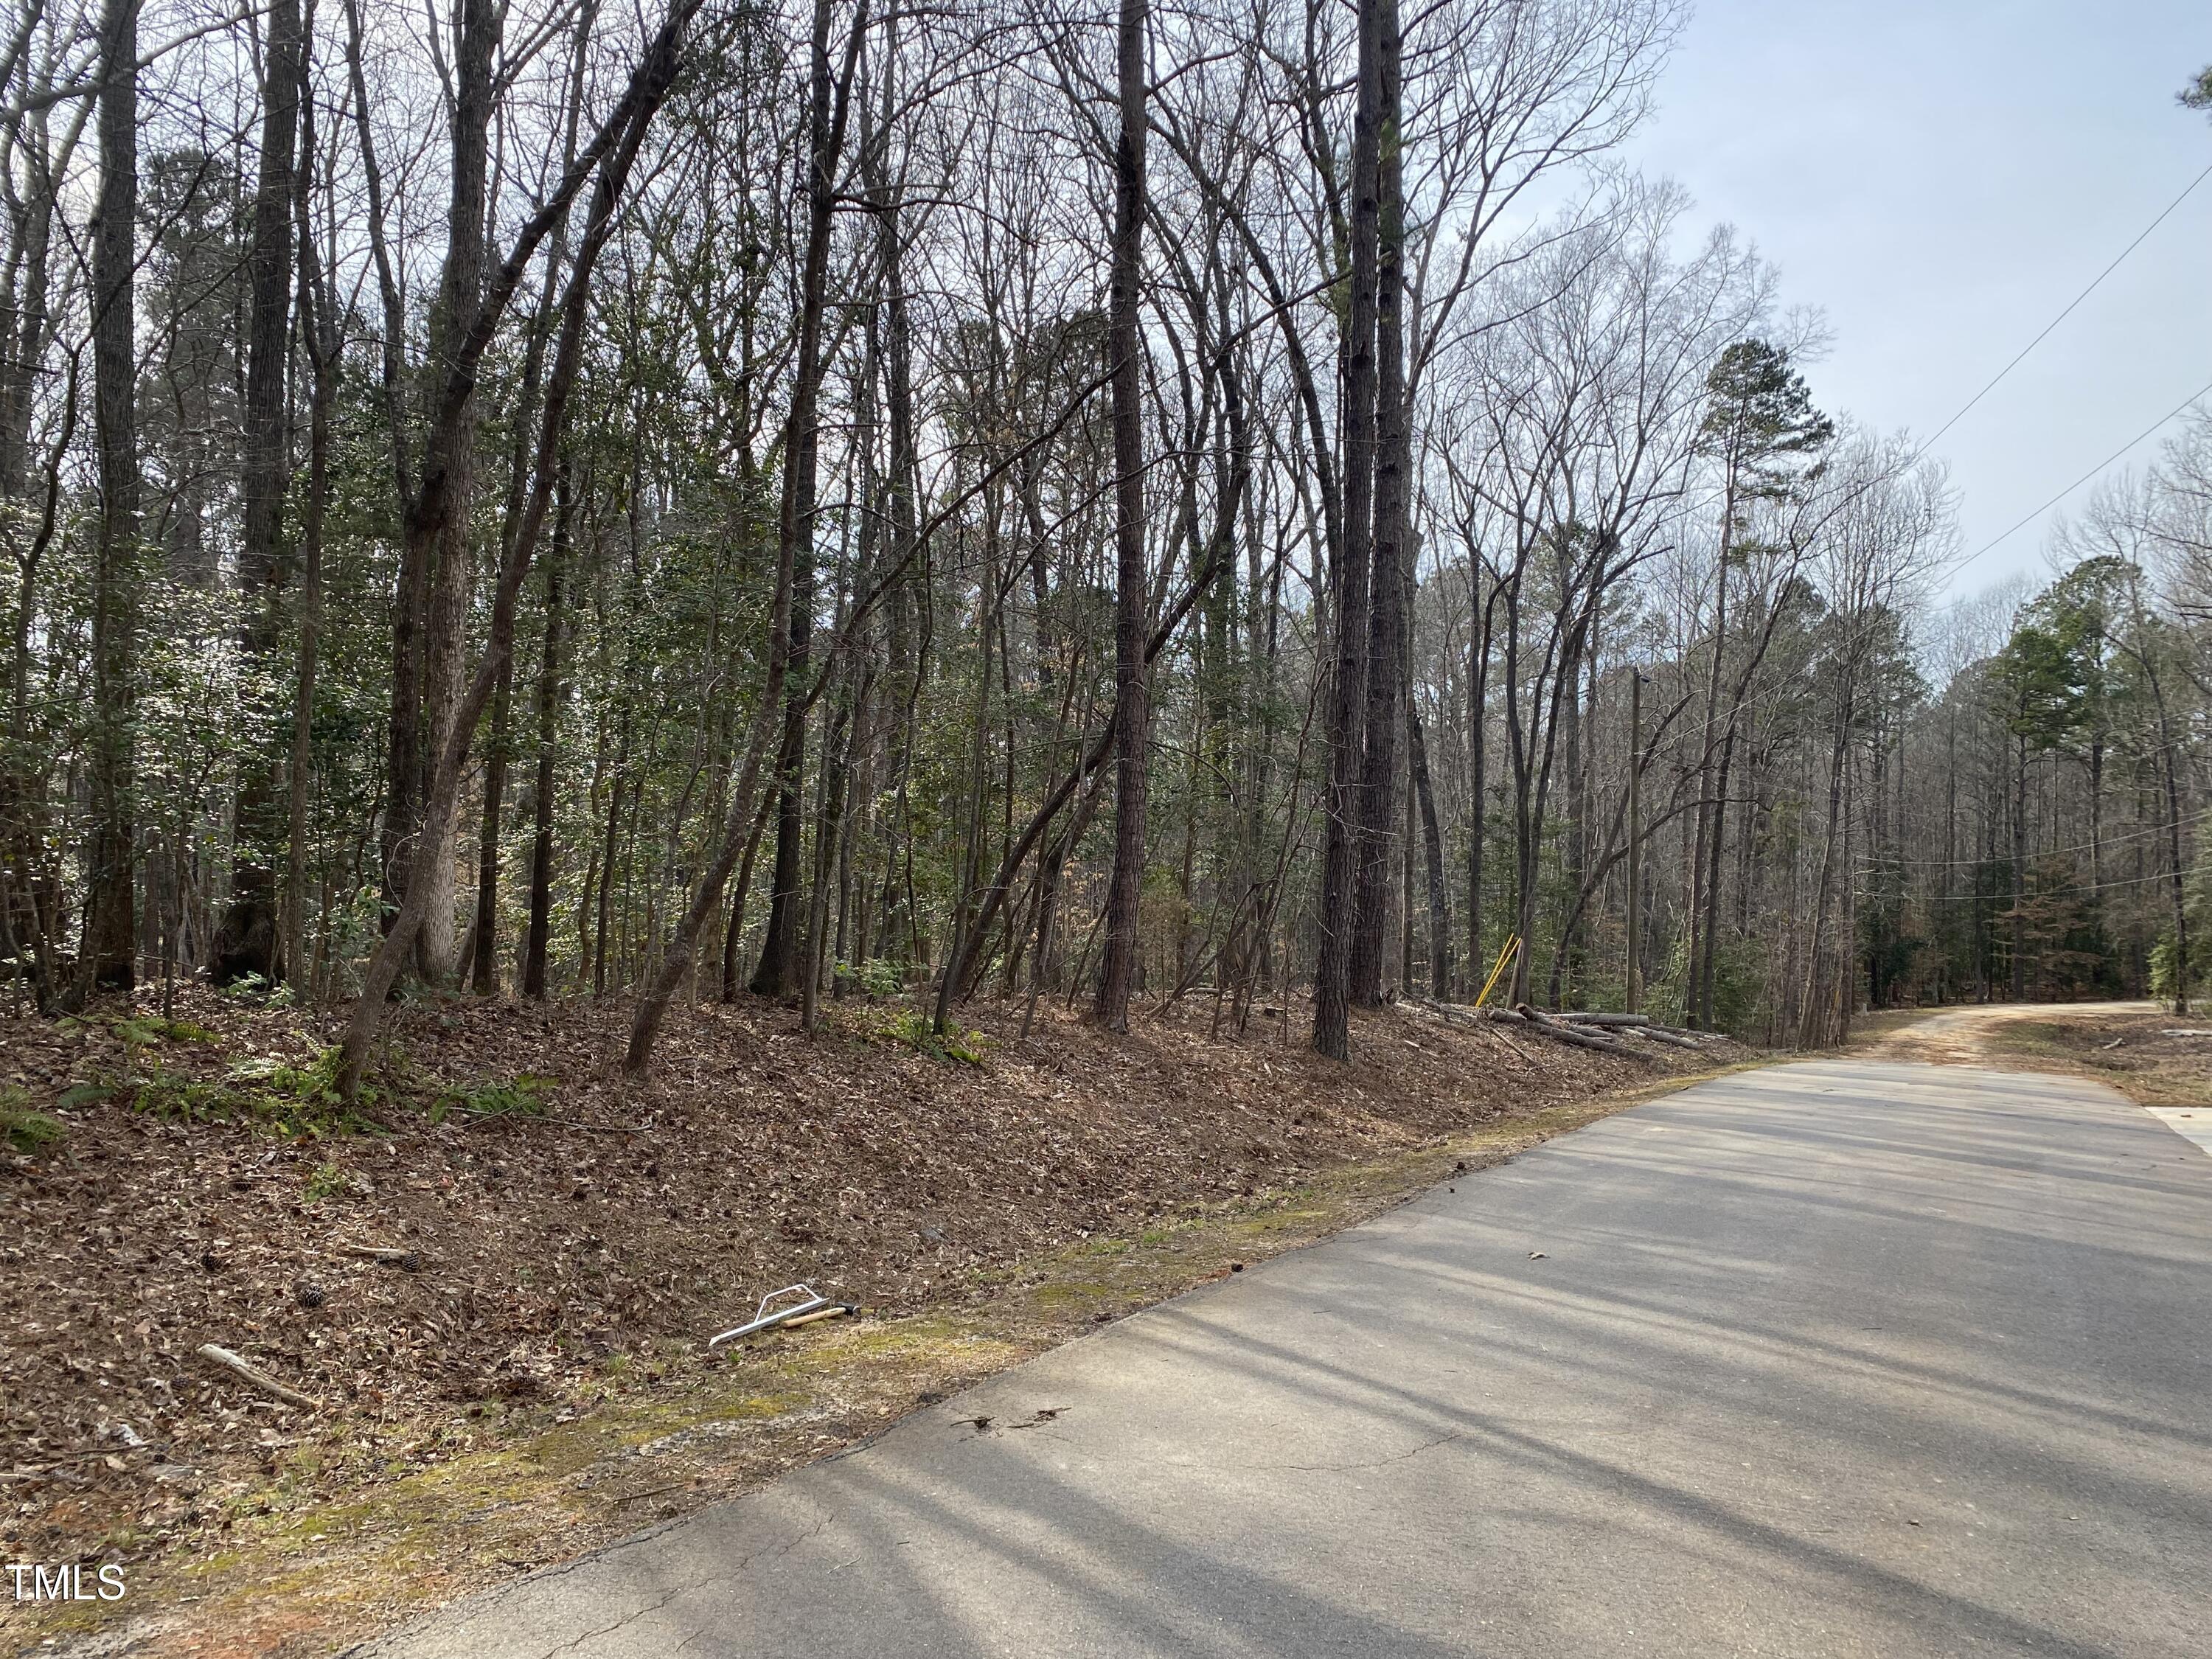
pixel 1939 178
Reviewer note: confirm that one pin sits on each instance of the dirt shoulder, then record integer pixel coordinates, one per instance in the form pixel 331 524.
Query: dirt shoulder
pixel 2152 1055
pixel 528 1380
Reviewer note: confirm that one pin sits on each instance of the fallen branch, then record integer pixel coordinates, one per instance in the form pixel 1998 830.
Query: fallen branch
pixel 650 1492
pixel 244 1373
pixel 1592 1017
pixel 1523 1058
pixel 1477 1022
pixel 1560 1031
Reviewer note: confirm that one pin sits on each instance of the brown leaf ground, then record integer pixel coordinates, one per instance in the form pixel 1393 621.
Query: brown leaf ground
pixel 536 1384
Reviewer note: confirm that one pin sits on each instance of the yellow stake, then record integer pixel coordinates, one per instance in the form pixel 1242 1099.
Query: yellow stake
pixel 1506 952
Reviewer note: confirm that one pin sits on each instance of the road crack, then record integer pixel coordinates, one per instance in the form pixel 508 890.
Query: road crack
pixel 777 1551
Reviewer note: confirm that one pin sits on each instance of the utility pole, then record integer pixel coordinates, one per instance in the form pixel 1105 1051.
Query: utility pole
pixel 1635 828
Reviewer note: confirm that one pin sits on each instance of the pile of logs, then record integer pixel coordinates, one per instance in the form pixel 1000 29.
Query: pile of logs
pixel 1600 1032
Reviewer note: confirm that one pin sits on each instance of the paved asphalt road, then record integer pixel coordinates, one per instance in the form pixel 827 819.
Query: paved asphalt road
pixel 1831 1359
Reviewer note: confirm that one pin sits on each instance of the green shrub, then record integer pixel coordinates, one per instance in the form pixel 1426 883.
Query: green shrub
pixel 876 978
pixel 2162 976
pixel 330 1181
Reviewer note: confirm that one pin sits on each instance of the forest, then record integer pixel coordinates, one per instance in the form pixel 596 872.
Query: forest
pixel 1156 509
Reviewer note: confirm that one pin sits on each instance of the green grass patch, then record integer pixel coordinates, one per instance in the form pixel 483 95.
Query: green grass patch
pixel 1071 1293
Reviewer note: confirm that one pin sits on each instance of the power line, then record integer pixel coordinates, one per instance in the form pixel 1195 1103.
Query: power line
pixel 2104 843
pixel 2187 191
pixel 1999 898
pixel 2031 517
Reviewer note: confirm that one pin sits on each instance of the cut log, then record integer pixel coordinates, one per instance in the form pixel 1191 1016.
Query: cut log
pixel 244 1373
pixel 1642 1024
pixel 1560 1031
pixel 1662 1034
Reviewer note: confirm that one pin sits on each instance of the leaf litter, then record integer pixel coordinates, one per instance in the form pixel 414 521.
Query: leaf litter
pixel 511 1233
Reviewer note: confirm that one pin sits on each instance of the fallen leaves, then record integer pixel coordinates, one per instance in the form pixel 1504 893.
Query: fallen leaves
pixel 409 1280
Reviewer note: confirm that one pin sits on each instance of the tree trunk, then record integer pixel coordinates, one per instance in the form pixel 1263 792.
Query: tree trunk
pixel 1432 846
pixel 539 931
pixel 1708 936
pixel 453 578
pixel 2170 770
pixel 1387 619
pixel 404 726
pixel 1478 702
pixel 1349 580
pixel 829 840
pixel 109 958
pixel 733 936
pixel 318 328
pixel 248 942
pixel 1812 1027
pixel 28 887
pixel 776 974
pixel 1704 855
pixel 610 848
pixel 1117 972
pixel 483 940
pixel 1632 963
pixel 2019 871
pixel 1950 840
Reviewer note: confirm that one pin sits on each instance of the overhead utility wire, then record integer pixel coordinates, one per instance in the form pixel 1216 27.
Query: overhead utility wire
pixel 1889 860
pixel 1996 898
pixel 2187 191
pixel 2030 518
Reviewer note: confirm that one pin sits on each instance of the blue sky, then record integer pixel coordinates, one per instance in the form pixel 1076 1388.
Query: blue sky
pixel 1940 178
